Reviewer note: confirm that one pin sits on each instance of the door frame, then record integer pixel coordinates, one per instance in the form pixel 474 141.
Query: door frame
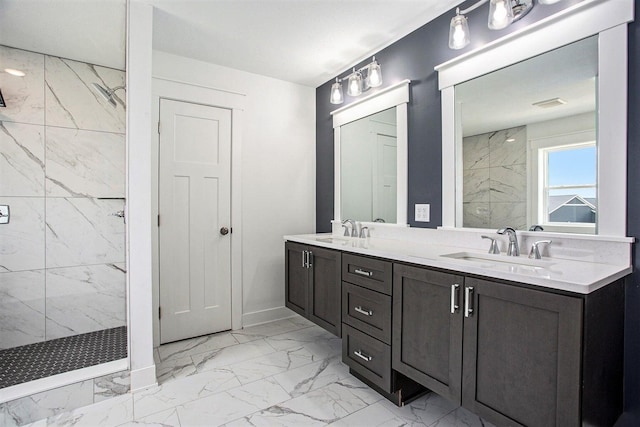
pixel 163 88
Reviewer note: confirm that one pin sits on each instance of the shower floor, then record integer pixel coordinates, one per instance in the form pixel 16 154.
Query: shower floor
pixel 43 359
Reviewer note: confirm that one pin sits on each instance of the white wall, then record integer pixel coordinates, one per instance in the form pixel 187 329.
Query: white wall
pixel 278 171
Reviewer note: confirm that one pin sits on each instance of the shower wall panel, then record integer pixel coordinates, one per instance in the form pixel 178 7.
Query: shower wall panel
pixel 62 172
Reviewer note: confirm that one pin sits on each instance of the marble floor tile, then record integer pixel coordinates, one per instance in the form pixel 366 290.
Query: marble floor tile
pixel 271 364
pixel 253 333
pixel 190 347
pixel 183 390
pixel 231 355
pixel 277 380
pixel 111 412
pixel 239 402
pixel 313 376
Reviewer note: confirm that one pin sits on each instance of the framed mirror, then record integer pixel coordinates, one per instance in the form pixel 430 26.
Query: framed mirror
pixel 529 144
pixel 531 155
pixel 370 138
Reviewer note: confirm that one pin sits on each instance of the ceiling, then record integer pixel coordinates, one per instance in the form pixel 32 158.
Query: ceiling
pixel 302 41
pixel 504 99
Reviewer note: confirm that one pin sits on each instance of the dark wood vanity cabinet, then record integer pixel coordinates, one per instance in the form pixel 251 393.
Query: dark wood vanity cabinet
pixel 512 354
pixel 312 284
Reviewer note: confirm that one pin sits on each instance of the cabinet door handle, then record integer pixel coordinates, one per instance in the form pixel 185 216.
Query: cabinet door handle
pixel 468 296
pixel 309 259
pixel 304 259
pixel 363 272
pixel 362 356
pixel 455 298
pixel 361 310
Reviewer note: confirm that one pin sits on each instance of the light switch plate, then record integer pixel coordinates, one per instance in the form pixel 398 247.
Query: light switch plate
pixel 423 212
pixel 4 214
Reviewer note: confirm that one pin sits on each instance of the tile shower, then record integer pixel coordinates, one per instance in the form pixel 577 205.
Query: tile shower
pixel 495 179
pixel 62 172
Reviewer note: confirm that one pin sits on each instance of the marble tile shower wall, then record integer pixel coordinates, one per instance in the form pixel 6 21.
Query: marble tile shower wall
pixel 495 179
pixel 62 172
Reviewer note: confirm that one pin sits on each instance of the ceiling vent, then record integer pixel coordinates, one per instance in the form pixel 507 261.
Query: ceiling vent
pixel 550 103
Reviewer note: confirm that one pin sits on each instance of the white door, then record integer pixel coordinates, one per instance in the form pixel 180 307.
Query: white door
pixel 195 215
pixel 383 171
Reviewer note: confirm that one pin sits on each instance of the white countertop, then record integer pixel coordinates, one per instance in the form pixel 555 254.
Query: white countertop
pixel 581 277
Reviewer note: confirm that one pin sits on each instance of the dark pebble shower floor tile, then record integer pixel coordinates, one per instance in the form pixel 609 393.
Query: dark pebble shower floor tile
pixel 43 359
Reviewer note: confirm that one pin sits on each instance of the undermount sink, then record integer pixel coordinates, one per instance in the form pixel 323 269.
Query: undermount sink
pixel 498 259
pixel 333 239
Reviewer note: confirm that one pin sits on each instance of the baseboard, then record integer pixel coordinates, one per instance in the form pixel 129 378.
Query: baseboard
pixel 143 378
pixel 265 316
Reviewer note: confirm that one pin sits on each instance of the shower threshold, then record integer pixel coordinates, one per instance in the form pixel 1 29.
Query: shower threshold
pixel 34 361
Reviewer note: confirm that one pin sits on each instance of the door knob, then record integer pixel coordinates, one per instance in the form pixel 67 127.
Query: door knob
pixel 224 231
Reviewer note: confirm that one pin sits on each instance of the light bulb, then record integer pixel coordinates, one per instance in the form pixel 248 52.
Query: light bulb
pixel 500 14
pixel 458 32
pixel 375 74
pixel 336 93
pixel 355 84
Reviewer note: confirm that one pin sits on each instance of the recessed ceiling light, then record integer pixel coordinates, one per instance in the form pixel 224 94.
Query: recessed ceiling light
pixel 15 72
pixel 550 103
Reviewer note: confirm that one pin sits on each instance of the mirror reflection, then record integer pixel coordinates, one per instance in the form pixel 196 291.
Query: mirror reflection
pixel 528 148
pixel 368 153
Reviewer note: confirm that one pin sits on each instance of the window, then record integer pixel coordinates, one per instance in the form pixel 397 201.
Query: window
pixel 567 191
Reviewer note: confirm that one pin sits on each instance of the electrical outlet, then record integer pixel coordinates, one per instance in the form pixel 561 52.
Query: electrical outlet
pixel 423 212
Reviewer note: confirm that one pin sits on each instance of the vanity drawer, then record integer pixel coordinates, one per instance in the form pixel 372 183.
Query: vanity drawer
pixel 367 310
pixel 371 273
pixel 367 356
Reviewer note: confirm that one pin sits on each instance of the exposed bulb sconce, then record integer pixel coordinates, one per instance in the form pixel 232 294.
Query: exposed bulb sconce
pixel 358 81
pixel 502 13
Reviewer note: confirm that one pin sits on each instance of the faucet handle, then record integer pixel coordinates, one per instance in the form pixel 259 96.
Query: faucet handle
pixel 346 230
pixel 535 251
pixel 363 233
pixel 493 248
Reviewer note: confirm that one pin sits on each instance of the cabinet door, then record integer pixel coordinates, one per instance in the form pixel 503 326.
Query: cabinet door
pixel 324 289
pixel 427 336
pixel 296 278
pixel 522 355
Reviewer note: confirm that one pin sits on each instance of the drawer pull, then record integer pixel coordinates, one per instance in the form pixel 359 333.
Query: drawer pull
pixel 363 311
pixel 362 356
pixel 363 272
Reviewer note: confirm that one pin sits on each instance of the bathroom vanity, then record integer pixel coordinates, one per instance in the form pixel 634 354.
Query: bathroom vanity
pixel 517 341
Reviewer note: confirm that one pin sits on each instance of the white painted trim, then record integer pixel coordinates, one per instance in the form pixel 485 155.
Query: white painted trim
pixel 574 23
pixel 393 96
pixel 402 162
pixel 612 118
pixel 266 316
pixel 179 91
pixel 448 157
pixel 55 381
pixel 382 100
pixel 138 206
pixel 612 131
pixel 143 378
pixel 337 183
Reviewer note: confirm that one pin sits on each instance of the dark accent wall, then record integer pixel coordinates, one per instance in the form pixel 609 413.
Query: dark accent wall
pixel 414 57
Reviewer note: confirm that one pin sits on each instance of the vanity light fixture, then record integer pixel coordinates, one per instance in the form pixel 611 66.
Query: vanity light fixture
pixel 358 81
pixel 502 13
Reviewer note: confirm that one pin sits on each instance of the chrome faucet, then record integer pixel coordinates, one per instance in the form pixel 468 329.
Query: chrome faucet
pixel 513 248
pixel 354 231
pixel 535 250
pixel 493 248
